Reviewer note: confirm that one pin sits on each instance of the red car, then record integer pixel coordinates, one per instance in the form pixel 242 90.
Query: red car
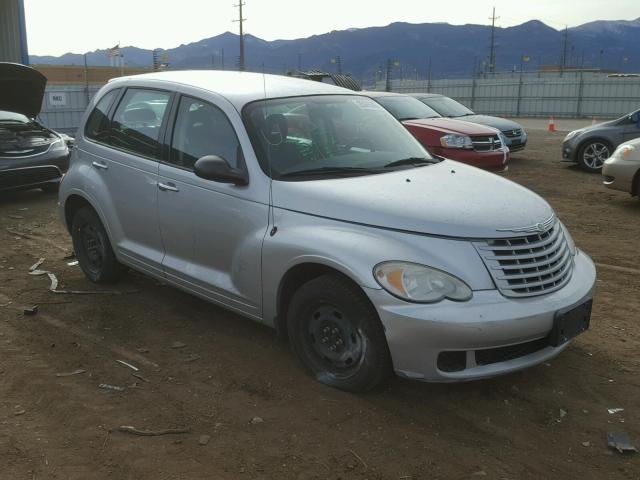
pixel 465 142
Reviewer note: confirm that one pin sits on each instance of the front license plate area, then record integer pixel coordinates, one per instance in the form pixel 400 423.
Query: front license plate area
pixel 568 324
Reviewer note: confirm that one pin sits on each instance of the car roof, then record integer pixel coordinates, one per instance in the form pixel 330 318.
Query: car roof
pixel 239 88
pixel 378 94
pixel 424 95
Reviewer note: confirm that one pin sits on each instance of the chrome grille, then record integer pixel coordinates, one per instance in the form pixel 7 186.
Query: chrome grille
pixel 486 143
pixel 512 133
pixel 528 265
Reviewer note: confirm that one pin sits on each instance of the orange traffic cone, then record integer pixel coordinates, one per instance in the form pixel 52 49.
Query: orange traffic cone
pixel 552 126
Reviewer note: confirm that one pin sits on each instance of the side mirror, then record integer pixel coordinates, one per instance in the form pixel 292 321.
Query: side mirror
pixel 215 168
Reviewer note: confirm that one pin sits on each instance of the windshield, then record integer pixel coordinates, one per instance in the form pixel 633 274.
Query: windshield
pixel 406 108
pixel 447 107
pixel 13 117
pixel 328 135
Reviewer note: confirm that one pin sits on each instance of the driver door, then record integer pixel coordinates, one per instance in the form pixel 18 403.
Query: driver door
pixel 212 232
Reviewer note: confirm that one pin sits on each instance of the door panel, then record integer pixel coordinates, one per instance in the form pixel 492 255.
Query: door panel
pixel 212 232
pixel 131 172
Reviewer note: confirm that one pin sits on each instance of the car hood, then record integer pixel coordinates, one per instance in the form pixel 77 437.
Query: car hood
pixel 599 126
pixel 448 199
pixel 501 124
pixel 21 89
pixel 450 125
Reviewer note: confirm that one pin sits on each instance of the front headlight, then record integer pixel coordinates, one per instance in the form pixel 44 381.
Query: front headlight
pixel 456 141
pixel 572 134
pixel 420 284
pixel 58 145
pixel 570 243
pixel 503 139
pixel 625 150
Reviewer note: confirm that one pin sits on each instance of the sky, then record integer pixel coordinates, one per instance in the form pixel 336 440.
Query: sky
pixel 55 27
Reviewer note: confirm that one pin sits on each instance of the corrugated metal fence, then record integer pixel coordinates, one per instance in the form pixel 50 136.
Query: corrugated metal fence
pixel 533 95
pixel 63 106
pixel 529 95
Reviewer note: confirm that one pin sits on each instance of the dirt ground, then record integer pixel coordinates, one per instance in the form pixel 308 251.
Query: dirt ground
pixel 547 422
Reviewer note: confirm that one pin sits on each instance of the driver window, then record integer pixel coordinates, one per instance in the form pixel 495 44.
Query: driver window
pixel 202 129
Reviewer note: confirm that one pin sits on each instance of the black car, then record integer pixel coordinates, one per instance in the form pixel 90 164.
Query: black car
pixel 31 155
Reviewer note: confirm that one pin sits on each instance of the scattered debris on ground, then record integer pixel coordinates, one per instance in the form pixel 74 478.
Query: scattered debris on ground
pixel 151 433
pixel 620 442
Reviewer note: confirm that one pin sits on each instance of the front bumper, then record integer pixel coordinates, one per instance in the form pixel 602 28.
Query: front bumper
pixel 21 174
pixel 495 160
pixel 618 174
pixel 569 151
pixel 517 144
pixel 418 334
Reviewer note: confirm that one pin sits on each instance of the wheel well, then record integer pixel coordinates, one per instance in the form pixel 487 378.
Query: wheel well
pixel 593 139
pixel 71 206
pixel 292 281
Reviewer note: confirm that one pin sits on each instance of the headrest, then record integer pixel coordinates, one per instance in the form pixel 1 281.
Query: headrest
pixel 143 115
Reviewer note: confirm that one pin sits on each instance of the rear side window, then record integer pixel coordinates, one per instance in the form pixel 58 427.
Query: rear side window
pixel 97 127
pixel 202 129
pixel 137 121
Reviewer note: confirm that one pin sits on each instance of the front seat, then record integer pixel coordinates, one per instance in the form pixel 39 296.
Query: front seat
pixel 284 156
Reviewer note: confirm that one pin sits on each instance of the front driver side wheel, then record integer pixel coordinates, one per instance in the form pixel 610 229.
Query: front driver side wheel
pixel 336 334
pixel 93 248
pixel 593 154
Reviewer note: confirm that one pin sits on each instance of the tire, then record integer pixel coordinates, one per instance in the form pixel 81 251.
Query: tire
pixel 337 336
pixel 592 155
pixel 50 187
pixel 93 248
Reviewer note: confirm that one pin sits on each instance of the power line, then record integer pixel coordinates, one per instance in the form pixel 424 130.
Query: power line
pixel 240 20
pixel 492 48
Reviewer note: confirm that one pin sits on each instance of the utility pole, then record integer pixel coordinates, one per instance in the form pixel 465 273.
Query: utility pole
pixel 492 48
pixel 240 20
pixel 388 79
pixel 565 47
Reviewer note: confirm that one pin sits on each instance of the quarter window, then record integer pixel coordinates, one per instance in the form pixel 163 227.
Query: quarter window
pixel 137 121
pixel 97 127
pixel 202 129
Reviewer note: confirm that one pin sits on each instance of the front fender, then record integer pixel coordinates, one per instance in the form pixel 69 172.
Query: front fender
pixel 354 250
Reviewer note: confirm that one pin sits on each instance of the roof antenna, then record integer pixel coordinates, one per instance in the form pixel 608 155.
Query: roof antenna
pixel 274 229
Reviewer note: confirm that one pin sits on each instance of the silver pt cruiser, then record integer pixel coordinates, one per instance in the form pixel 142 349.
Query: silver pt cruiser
pixel 309 208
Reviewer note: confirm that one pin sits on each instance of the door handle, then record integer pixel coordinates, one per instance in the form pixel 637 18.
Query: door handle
pixel 168 187
pixel 102 166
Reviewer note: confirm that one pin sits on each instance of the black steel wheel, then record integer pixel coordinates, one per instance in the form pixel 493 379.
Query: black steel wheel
pixel 93 248
pixel 336 334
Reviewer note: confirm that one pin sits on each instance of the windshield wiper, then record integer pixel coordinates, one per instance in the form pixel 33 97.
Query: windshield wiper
pixel 415 161
pixel 330 171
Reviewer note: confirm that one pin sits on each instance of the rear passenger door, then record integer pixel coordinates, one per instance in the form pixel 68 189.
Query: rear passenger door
pixel 131 172
pixel 212 232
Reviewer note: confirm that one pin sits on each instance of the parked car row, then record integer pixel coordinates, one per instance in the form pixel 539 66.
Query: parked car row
pixel 311 209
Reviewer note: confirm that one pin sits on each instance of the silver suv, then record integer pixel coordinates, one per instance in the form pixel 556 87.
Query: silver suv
pixel 309 208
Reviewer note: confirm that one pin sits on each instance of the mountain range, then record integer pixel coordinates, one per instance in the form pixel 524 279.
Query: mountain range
pixel 451 50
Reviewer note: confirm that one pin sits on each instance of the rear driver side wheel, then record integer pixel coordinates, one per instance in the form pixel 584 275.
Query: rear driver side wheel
pixel 93 248
pixel 336 333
